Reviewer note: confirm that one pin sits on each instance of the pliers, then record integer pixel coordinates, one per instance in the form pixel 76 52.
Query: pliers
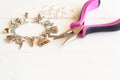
pixel 78 27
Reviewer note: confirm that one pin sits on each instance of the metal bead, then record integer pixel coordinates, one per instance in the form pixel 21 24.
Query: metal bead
pixel 10 23
pixel 54 29
pixel 31 41
pixel 44 35
pixel 47 23
pixel 37 19
pixel 9 38
pixel 26 15
pixel 42 41
pixel 6 30
pixel 20 45
pixel 17 20
pixel 19 41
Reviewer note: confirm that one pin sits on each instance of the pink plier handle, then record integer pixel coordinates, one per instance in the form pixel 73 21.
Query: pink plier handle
pixel 88 6
pixel 86 29
pixel 107 27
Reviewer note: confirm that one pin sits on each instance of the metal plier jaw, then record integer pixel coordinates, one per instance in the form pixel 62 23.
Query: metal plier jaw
pixel 70 34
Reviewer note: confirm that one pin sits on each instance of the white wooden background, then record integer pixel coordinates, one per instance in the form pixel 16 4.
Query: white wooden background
pixel 95 57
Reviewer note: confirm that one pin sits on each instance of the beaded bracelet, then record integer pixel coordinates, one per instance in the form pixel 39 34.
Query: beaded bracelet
pixel 41 39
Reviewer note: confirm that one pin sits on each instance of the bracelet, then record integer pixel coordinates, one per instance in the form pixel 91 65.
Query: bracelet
pixel 40 39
